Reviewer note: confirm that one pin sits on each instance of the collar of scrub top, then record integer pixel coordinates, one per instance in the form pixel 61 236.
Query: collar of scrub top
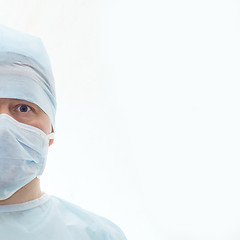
pixel 25 71
pixel 24 206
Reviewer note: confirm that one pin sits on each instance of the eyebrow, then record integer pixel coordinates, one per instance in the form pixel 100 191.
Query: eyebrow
pixel 25 102
pixel 21 100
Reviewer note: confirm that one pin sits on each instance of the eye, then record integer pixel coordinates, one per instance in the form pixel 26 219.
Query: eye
pixel 24 108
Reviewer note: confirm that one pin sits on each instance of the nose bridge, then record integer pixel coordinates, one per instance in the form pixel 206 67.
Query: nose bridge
pixel 4 107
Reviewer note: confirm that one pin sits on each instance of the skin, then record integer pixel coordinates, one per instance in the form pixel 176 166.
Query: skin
pixel 28 113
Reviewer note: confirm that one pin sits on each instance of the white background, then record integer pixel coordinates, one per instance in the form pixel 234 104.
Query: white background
pixel 148 120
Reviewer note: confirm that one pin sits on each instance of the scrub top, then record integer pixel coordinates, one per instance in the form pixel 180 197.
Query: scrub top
pixel 51 218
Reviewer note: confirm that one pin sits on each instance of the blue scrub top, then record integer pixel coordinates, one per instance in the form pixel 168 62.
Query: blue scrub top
pixel 49 217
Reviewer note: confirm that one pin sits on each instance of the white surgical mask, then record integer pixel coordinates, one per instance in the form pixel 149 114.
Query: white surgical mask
pixel 23 153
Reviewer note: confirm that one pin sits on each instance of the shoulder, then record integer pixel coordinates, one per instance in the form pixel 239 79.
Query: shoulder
pixel 93 223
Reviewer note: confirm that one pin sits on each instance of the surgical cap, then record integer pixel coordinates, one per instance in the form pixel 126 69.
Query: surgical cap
pixel 25 71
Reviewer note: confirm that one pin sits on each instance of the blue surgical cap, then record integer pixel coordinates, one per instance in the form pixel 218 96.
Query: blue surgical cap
pixel 25 71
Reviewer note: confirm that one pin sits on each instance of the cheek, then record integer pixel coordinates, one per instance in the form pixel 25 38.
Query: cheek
pixel 42 123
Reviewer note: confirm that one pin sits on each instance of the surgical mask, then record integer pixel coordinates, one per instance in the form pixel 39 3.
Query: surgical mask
pixel 23 153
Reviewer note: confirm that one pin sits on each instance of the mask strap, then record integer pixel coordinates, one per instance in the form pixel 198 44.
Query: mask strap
pixel 50 136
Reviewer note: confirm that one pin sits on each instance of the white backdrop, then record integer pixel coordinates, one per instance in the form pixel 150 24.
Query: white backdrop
pixel 148 120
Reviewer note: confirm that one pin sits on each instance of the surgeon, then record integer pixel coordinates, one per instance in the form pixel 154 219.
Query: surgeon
pixel 27 127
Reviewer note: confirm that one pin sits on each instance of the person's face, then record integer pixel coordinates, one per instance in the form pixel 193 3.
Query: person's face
pixel 26 112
